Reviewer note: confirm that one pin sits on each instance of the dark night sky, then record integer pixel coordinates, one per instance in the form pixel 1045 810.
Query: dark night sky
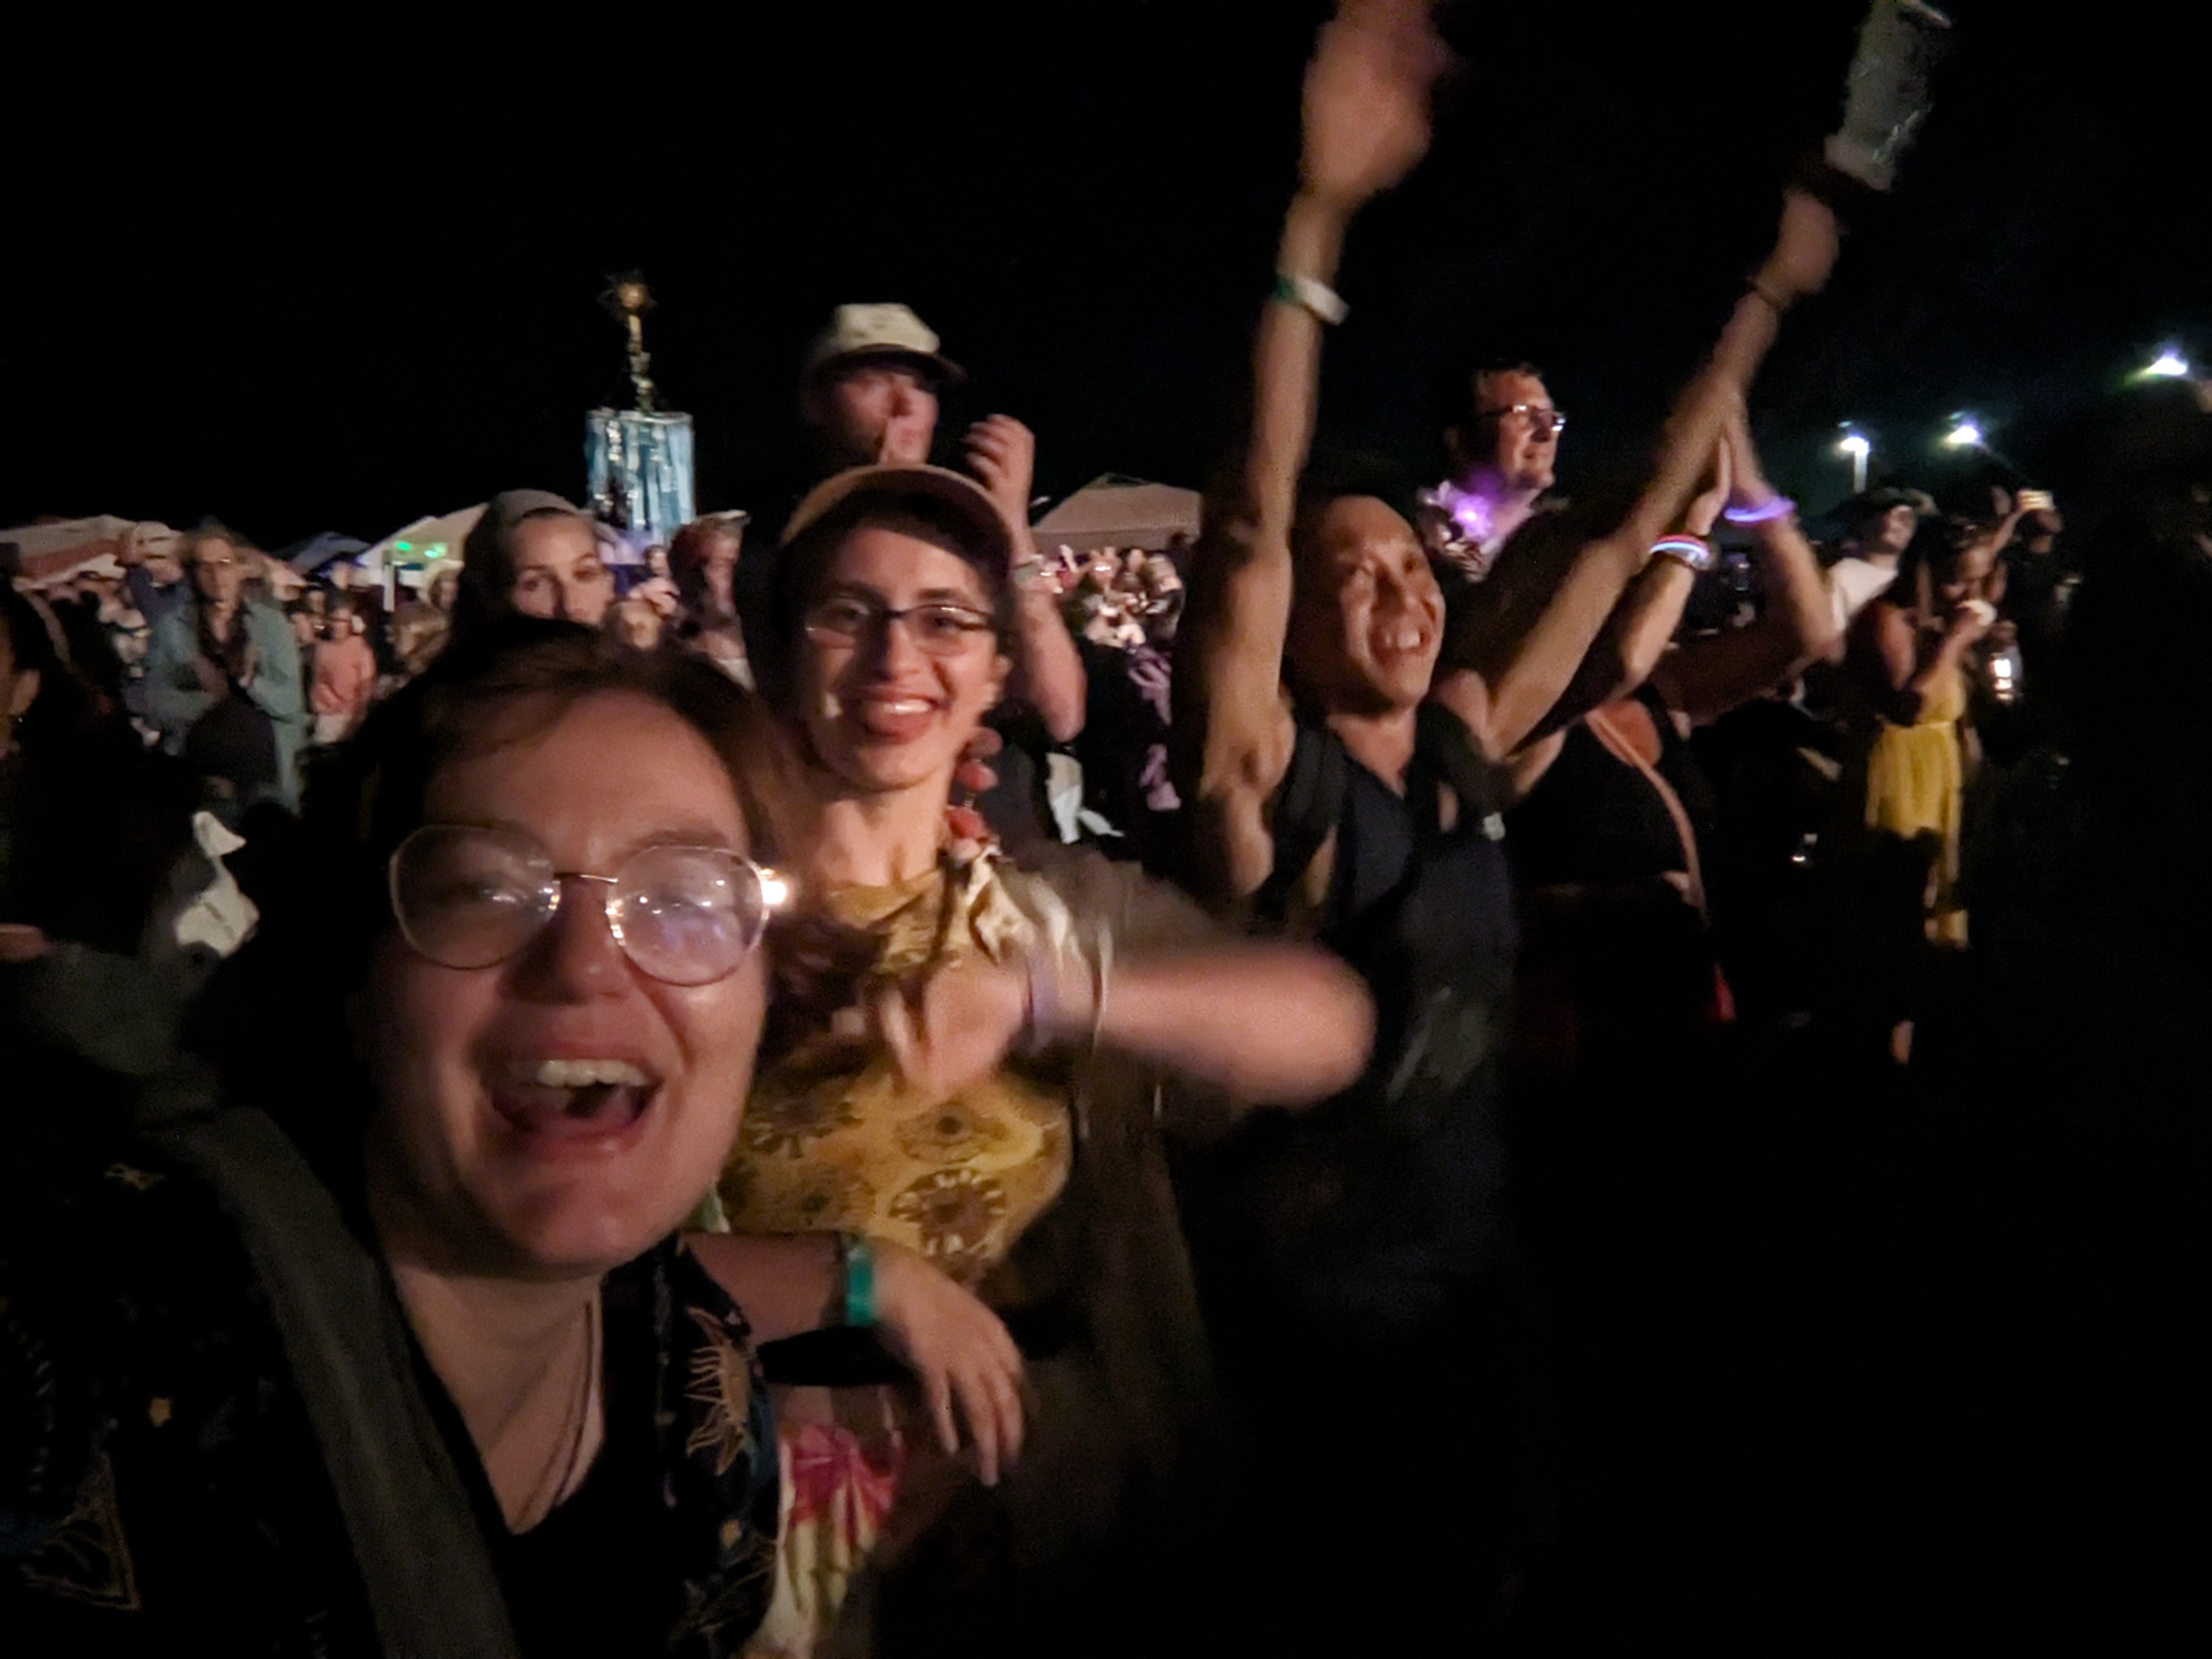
pixel 337 286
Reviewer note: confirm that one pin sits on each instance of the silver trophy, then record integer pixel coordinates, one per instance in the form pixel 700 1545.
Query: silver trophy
pixel 1886 94
pixel 637 461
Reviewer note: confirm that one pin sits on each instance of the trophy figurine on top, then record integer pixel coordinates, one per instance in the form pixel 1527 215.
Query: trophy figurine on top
pixel 638 460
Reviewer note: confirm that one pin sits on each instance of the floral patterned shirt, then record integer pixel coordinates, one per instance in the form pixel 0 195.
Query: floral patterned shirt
pixel 834 1139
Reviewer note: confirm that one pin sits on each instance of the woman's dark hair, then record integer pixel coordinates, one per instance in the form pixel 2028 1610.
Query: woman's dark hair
pixel 64 705
pixel 1935 547
pixel 29 644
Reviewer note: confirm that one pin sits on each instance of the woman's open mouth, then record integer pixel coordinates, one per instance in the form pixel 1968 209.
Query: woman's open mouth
pixel 579 1103
pixel 895 719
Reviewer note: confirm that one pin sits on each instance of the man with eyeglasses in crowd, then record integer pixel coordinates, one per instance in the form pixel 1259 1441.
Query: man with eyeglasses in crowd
pixel 1502 450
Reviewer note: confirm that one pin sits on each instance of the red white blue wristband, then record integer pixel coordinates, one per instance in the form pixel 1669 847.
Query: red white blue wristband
pixel 1693 553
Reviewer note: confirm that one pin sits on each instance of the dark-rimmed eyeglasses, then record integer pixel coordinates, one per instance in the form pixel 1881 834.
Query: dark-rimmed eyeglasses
pixel 939 627
pixel 467 896
pixel 1542 417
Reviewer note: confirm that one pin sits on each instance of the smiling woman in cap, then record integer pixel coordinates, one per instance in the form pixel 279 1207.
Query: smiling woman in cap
pixel 968 1080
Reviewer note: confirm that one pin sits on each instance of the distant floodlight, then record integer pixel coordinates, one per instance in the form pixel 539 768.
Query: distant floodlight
pixel 1964 434
pixel 1856 445
pixel 2168 365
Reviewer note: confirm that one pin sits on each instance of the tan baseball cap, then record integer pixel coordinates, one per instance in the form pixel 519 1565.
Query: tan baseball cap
pixel 972 508
pixel 880 331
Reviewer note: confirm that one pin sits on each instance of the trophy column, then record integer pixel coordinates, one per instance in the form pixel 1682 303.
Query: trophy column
pixel 638 461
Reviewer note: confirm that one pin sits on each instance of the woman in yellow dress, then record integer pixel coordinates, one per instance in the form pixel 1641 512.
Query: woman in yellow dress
pixel 964 1081
pixel 1908 654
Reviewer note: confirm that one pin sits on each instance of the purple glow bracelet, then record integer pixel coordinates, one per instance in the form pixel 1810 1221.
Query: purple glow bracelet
pixel 1780 507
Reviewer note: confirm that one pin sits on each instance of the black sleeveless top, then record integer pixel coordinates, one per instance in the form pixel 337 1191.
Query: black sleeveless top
pixel 1374 1210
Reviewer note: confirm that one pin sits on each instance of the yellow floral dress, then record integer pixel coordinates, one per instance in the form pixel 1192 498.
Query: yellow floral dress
pixel 835 1139
pixel 1916 786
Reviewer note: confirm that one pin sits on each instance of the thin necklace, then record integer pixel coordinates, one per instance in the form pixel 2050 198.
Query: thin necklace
pixel 559 1475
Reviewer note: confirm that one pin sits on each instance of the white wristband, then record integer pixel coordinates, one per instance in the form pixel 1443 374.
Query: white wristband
pixel 1309 294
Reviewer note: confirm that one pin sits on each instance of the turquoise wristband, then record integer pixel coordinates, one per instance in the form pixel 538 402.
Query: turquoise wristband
pixel 859 1259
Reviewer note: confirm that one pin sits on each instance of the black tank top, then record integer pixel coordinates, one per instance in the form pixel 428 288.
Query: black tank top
pixel 1372 1211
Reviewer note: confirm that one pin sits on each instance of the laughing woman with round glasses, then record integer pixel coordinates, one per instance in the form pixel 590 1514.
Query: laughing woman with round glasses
pixel 438 1372
pixel 969 1067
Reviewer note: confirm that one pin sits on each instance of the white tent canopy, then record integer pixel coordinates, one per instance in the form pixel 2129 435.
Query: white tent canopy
pixel 1113 511
pixel 425 542
pixel 48 552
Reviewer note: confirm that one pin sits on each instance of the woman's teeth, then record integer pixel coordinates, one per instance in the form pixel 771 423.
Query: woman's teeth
pixel 588 1074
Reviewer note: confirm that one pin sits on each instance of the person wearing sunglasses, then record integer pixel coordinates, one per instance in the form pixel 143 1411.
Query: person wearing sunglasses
pixel 978 1068
pixel 415 1356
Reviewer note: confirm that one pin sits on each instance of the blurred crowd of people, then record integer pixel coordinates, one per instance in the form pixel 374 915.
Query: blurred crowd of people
pixel 896 1091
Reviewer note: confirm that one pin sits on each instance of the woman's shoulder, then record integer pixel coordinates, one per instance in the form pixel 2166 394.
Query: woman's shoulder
pixel 1139 910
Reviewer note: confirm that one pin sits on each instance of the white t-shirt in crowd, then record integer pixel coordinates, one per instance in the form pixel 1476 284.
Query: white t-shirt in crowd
pixel 1855 583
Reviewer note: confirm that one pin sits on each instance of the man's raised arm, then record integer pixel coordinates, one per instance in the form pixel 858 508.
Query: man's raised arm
pixel 1512 664
pixel 1366 123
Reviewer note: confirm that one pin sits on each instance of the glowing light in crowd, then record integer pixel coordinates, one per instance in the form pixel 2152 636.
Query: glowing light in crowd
pixel 2168 365
pixel 1474 513
pixel 1857 447
pixel 1965 433
pixel 775 891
